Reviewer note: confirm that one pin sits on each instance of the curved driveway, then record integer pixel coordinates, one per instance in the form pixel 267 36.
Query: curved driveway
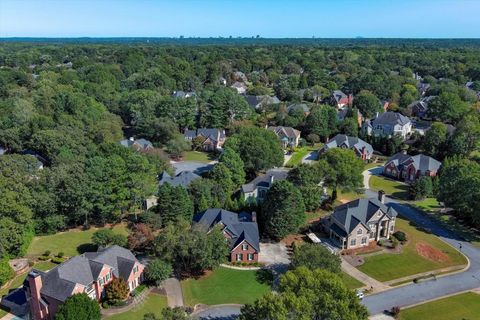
pixel 417 293
pixel 226 312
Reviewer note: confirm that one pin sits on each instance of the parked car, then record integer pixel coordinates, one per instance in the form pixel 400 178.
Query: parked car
pixel 360 294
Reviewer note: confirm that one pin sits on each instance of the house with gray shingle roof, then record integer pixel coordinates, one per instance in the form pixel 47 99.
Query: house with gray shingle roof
pixel 137 144
pixel 255 190
pixel 240 230
pixel 87 273
pixel 388 124
pixel 183 178
pixel 299 106
pixel 362 149
pixel 289 137
pixel 409 168
pixel 212 138
pixel 257 102
pixel 360 223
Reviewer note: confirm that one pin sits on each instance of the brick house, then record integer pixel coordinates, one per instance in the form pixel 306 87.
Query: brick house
pixel 213 139
pixel 362 149
pixel 240 230
pixel 360 223
pixel 340 99
pixel 87 273
pixel 409 168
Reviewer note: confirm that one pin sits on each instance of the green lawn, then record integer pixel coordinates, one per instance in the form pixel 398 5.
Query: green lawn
pixel 224 285
pixel 462 306
pixel 198 156
pixel 389 266
pixel 350 281
pixel 154 303
pixel 18 280
pixel 390 186
pixel 299 154
pixel 70 242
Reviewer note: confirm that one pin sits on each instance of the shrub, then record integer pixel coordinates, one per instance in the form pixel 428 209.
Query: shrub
pixel 31 263
pixel 157 271
pixel 47 253
pixel 116 290
pixel 6 272
pixel 57 260
pixel 79 307
pixel 394 242
pixel 44 258
pixel 400 236
pixel 60 254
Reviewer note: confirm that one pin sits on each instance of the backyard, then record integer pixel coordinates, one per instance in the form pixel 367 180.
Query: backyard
pixel 198 156
pixel 462 306
pixel 225 285
pixel 391 187
pixel 154 303
pixel 300 153
pixel 18 280
pixel 423 252
pixel 70 242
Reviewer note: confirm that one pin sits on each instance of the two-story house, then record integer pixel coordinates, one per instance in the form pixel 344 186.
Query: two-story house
pixel 137 144
pixel 87 273
pixel 361 222
pixel 388 124
pixel 362 149
pixel 340 99
pixel 409 168
pixel 240 230
pixel 255 190
pixel 289 137
pixel 213 138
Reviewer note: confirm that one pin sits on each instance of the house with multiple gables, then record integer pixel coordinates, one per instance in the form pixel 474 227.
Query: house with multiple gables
pixel 340 99
pixel 183 178
pixel 360 223
pixel 87 273
pixel 240 230
pixel 258 102
pixel 213 139
pixel 362 149
pixel 388 124
pixel 289 137
pixel 137 144
pixel 409 168
pixel 419 108
pixel 299 107
pixel 255 190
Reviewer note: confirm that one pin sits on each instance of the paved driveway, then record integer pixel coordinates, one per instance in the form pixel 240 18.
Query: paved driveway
pixel 273 253
pixel 220 313
pixel 309 158
pixel 433 289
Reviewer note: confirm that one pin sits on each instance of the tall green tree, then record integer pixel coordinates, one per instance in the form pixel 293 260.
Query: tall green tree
pixel 234 163
pixel 79 307
pixel 435 139
pixel 367 103
pixel 314 256
pixel 173 204
pixel 448 107
pixel 322 121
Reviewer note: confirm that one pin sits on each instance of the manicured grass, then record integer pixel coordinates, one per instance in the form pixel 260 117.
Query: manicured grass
pixel 3 313
pixel 71 242
pixel 428 205
pixel 224 285
pixel 197 156
pixel 18 280
pixel 390 186
pixel 462 306
pixel 372 165
pixel 154 303
pixel 390 266
pixel 350 281
pixel 299 154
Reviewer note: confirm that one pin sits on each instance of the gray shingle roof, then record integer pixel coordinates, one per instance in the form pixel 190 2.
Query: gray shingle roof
pixel 351 214
pixel 142 143
pixel 240 226
pixel 338 95
pixel 298 106
pixel 254 101
pixel 214 134
pixel 183 178
pixel 420 161
pixel 285 131
pixel 350 142
pixel 391 118
pixel 264 180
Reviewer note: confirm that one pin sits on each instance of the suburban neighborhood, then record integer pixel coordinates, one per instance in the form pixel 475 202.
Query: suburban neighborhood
pixel 239 178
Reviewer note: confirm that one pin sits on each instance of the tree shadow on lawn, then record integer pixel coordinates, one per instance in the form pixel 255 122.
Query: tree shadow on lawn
pixel 86 247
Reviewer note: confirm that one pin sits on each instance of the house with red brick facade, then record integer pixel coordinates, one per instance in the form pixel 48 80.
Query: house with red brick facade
pixel 409 168
pixel 87 273
pixel 240 230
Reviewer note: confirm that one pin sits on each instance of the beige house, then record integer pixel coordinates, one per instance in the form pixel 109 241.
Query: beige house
pixel 289 137
pixel 360 222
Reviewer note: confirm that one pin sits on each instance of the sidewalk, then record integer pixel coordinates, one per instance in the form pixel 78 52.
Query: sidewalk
pixel 369 282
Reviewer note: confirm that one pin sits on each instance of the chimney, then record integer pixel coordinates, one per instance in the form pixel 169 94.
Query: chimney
pixel 271 179
pixel 404 151
pixel 35 285
pixel 381 196
pixel 254 216
pixel 376 115
pixel 131 139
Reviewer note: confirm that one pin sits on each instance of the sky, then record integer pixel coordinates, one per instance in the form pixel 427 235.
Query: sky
pixel 245 18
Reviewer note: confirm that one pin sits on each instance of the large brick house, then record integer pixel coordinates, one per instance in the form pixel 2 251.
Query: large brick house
pixel 361 222
pixel 240 230
pixel 87 273
pixel 362 149
pixel 409 168
pixel 213 139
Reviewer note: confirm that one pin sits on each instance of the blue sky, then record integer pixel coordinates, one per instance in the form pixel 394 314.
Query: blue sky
pixel 273 18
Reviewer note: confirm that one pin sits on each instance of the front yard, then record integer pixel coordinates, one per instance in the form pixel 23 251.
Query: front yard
pixel 71 242
pixel 350 281
pixel 424 252
pixel 198 156
pixel 224 285
pixel 300 153
pixel 391 187
pixel 154 303
pixel 462 306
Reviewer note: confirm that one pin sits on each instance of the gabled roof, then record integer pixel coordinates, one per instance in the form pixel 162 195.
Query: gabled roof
pixel 208 133
pixel 420 161
pixel 264 180
pixel 360 211
pixel 298 106
pixel 391 118
pixel 350 142
pixel 183 178
pixel 285 132
pixel 339 95
pixel 254 101
pixel 240 226
pixel 142 143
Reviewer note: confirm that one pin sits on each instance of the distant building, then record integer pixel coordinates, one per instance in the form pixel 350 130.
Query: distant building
pixel 183 178
pixel 340 99
pixel 258 102
pixel 213 138
pixel 137 144
pixel 409 168
pixel 183 95
pixel 41 161
pixel 289 137
pixel 240 87
pixel 299 106
pixel 388 124
pixel 419 108
pixel 255 190
pixel 240 230
pixel 362 149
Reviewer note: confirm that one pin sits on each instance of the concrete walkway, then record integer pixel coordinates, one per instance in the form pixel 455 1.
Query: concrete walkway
pixel 368 281
pixel 174 293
